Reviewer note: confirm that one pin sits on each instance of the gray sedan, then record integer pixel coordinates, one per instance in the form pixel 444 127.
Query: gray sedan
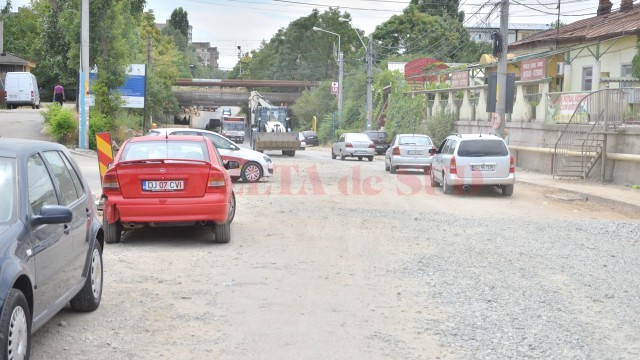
pixel 353 145
pixel 409 151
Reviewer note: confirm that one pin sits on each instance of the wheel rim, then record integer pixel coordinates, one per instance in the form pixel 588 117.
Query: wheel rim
pixel 18 335
pixel 96 274
pixel 252 172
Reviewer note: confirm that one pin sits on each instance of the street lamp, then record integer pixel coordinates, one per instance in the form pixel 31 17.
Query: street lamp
pixel 369 50
pixel 340 72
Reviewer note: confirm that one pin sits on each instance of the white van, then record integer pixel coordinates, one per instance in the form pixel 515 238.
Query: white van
pixel 21 90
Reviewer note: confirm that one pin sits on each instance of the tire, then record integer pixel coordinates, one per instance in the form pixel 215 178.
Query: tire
pixel 285 152
pixel 88 299
pixel 15 326
pixel 292 153
pixel 386 167
pixel 427 170
pixel 232 208
pixel 223 232
pixel 507 190
pixel 333 156
pixel 446 187
pixel 342 157
pixel 392 169
pixel 434 183
pixel 359 158
pixel 112 232
pixel 251 172
pixel 370 158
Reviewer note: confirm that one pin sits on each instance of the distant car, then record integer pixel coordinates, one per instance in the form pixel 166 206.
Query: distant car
pixel 353 145
pixel 409 151
pixel 379 138
pixel 303 141
pixel 254 165
pixel 168 181
pixel 50 241
pixel 226 112
pixel 311 138
pixel 473 160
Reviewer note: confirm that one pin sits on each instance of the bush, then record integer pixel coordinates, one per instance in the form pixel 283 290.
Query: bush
pixel 61 124
pixel 441 125
pixel 97 123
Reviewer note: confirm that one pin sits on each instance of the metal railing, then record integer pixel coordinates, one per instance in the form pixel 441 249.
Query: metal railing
pixel 583 140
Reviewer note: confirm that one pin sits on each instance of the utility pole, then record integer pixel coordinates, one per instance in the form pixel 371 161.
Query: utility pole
pixel 84 75
pixel 146 95
pixel 502 67
pixel 369 83
pixel 340 78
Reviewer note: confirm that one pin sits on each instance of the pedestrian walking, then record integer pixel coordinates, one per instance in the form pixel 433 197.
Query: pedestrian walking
pixel 58 94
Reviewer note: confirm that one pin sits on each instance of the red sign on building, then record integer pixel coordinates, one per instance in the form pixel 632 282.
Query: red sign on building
pixel 460 79
pixel 532 69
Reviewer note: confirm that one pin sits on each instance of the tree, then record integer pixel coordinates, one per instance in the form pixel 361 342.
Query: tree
pixel 7 8
pixel 179 20
pixel 21 31
pixel 440 8
pixel 404 113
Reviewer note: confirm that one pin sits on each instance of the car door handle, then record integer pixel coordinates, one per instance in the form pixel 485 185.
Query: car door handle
pixel 67 229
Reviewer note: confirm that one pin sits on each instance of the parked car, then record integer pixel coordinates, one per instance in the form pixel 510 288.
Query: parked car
pixel 473 160
pixel 303 141
pixel 353 145
pixel 168 181
pixel 379 138
pixel 311 138
pixel 21 89
pixel 409 151
pixel 254 165
pixel 50 241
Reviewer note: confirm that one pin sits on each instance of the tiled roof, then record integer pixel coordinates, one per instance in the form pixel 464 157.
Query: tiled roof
pixel 596 28
pixel 10 59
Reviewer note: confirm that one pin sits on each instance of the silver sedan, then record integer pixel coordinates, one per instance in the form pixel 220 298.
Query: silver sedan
pixel 353 145
pixel 409 151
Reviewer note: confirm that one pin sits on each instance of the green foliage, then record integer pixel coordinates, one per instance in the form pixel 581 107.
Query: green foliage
pixel 179 20
pixel 441 125
pixel 61 124
pixel 97 123
pixel 635 63
pixel 317 102
pixel 441 8
pixel 21 31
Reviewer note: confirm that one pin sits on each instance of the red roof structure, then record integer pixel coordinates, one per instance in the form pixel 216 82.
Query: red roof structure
pixel 414 71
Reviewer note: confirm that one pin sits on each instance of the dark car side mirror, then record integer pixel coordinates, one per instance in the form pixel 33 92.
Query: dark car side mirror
pixel 231 164
pixel 54 214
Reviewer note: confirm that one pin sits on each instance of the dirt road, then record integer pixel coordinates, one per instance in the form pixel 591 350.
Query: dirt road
pixel 338 259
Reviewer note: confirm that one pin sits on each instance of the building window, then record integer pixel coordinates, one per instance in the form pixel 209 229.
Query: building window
pixel 626 71
pixel 587 78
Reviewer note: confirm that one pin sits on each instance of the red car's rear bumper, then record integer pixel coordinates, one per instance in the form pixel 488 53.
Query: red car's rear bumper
pixel 211 207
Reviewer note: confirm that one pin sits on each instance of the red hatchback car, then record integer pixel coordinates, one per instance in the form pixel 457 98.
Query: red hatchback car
pixel 168 181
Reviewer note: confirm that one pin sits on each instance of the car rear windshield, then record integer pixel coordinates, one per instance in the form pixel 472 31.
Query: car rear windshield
pixel 415 140
pixel 377 135
pixel 358 137
pixel 165 150
pixel 478 148
pixel 309 133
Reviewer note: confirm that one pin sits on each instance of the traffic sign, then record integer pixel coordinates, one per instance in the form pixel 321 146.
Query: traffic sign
pixel 334 88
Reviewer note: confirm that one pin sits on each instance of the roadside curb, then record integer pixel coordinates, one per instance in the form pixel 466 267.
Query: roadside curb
pixel 587 196
pixel 87 153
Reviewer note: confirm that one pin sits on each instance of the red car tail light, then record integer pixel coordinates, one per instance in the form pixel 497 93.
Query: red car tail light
pixel 348 145
pixel 395 151
pixel 512 166
pixel 372 146
pixel 110 184
pixel 216 181
pixel 434 148
pixel 452 166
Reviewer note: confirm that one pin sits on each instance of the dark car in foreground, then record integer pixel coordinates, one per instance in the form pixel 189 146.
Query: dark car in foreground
pixel 311 137
pixel 379 138
pixel 51 241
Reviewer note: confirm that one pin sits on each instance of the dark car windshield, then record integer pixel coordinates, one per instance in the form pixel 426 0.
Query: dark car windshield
pixel 482 147
pixel 8 204
pixel 377 135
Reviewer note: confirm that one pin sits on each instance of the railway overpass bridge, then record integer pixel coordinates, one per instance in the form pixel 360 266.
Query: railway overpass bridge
pixel 235 92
